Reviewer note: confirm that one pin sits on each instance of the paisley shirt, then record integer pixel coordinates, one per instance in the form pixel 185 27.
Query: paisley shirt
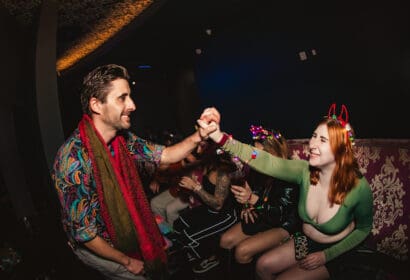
pixel 76 188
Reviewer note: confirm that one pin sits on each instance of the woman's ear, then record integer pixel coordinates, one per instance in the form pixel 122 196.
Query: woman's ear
pixel 95 105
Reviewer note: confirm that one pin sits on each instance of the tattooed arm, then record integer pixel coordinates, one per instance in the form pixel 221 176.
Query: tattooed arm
pixel 216 200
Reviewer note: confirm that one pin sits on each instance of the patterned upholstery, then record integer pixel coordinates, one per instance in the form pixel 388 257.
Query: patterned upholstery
pixel 386 165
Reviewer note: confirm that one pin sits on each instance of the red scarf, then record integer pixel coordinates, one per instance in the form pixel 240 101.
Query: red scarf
pixel 124 206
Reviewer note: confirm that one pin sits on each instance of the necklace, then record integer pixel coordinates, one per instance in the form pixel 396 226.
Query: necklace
pixel 265 198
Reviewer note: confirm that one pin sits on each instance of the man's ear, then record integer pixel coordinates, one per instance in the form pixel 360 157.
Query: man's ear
pixel 95 105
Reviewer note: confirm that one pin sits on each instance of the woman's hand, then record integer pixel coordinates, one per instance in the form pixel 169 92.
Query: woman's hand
pixel 242 194
pixel 313 260
pixel 210 130
pixel 189 183
pixel 248 215
pixel 210 114
pixel 209 124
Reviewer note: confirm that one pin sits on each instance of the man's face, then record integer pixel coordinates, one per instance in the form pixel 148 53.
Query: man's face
pixel 118 106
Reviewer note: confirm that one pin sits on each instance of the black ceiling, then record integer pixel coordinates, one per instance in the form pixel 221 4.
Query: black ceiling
pixel 172 18
pixel 173 28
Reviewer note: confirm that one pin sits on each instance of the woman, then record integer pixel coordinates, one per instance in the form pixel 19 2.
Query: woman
pixel 269 213
pixel 170 202
pixel 335 201
pixel 199 227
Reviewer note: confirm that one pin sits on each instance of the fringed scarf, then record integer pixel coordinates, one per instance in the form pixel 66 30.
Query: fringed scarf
pixel 124 207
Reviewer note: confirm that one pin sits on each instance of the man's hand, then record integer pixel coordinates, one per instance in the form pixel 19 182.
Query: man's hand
pixel 101 247
pixel 205 129
pixel 313 260
pixel 135 266
pixel 209 124
pixel 210 115
pixel 210 130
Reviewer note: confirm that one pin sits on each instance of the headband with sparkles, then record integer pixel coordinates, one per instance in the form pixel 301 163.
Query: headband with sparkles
pixel 260 133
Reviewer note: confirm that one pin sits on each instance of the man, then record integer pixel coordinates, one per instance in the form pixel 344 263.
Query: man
pixel 105 213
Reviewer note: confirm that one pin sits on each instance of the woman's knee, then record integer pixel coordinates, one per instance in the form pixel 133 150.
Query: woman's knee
pixel 243 253
pixel 266 264
pixel 226 241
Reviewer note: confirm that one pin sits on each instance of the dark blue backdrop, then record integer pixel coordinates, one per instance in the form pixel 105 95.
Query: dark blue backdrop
pixel 253 74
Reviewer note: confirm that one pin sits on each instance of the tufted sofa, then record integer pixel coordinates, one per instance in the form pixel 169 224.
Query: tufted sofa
pixel 386 165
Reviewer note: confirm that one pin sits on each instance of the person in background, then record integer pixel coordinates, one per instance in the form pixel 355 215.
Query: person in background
pixel 104 210
pixel 335 202
pixel 174 198
pixel 269 213
pixel 199 229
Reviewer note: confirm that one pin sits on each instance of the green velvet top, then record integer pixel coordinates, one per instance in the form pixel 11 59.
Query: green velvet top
pixel 357 206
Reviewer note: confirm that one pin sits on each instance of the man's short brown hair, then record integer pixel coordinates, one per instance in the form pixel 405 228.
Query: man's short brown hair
pixel 97 83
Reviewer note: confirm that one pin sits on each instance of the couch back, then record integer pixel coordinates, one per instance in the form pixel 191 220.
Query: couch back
pixel 386 165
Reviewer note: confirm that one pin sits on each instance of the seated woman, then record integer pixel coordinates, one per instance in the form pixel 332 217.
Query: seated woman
pixel 198 229
pixel 170 202
pixel 335 201
pixel 269 213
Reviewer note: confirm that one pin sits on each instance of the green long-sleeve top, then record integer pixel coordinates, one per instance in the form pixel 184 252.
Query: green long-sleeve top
pixel 357 206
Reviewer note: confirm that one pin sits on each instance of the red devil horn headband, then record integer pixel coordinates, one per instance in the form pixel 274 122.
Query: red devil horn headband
pixel 332 111
pixel 343 119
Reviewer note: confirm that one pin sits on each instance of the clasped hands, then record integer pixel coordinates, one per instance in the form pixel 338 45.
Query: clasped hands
pixel 209 124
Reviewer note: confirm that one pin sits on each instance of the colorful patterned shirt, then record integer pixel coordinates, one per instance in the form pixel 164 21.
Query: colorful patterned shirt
pixel 76 188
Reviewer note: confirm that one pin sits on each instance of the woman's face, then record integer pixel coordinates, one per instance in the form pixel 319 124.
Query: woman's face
pixel 320 152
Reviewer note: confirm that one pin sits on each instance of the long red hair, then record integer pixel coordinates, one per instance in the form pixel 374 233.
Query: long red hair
pixel 346 172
